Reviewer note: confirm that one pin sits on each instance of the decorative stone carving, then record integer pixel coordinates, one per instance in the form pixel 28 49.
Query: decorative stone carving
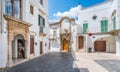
pixel 14 28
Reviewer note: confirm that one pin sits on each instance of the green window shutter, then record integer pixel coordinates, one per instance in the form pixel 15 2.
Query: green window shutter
pixel 114 23
pixel 102 26
pixel 106 25
pixel 43 22
pixel 41 29
pixel 39 20
pixel 85 27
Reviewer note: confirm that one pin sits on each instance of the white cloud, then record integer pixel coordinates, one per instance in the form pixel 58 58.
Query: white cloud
pixel 71 13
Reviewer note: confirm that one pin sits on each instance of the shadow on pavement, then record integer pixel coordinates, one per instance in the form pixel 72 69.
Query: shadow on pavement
pixel 110 65
pixel 81 70
pixel 51 62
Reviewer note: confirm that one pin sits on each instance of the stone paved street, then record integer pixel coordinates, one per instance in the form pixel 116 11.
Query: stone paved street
pixel 51 62
pixel 97 62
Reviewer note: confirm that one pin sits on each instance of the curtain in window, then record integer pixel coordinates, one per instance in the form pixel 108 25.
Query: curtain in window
pixel 17 9
pixel 8 7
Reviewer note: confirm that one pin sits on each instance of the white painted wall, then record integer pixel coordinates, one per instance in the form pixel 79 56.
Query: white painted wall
pixel 102 11
pixel 3 35
pixel 27 17
pixel 33 19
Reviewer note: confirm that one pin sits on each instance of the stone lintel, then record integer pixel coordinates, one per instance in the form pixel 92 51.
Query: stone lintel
pixel 17 20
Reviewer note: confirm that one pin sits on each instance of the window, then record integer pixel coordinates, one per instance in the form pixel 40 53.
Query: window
pixel 41 29
pixel 41 2
pixel 104 26
pixel 31 9
pixel 13 8
pixel 114 22
pixel 54 34
pixel 85 27
pixel 41 23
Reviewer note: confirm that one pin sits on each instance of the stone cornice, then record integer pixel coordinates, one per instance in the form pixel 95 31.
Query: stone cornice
pixel 17 20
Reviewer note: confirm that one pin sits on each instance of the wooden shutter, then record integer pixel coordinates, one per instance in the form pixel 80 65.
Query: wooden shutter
pixel 101 26
pixel 106 25
pixel 41 29
pixel 39 20
pixel 85 26
pixel 114 22
pixel 43 22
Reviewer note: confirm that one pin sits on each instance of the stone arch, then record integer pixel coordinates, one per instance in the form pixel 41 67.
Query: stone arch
pixel 17 42
pixel 67 33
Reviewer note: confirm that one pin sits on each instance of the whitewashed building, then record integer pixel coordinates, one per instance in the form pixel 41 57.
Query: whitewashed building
pixel 23 23
pixel 63 35
pixel 100 27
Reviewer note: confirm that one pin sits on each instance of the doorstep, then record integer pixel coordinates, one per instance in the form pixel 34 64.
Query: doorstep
pixel 19 61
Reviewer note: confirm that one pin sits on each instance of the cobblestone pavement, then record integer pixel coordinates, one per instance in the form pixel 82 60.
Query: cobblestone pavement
pixel 51 62
pixel 98 62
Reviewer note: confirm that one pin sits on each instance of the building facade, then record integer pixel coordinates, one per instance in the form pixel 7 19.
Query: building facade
pixel 23 26
pixel 63 35
pixel 100 27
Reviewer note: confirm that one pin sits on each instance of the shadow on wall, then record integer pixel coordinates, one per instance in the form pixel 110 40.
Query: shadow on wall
pixel 110 65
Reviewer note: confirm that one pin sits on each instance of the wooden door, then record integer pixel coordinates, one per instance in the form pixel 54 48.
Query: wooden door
pixel 41 47
pixel 65 45
pixel 80 42
pixel 31 45
pixel 100 46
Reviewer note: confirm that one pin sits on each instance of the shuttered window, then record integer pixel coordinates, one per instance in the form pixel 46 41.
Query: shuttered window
pixel 41 23
pixel 104 26
pixel 114 22
pixel 39 20
pixel 41 29
pixel 14 8
pixel 85 27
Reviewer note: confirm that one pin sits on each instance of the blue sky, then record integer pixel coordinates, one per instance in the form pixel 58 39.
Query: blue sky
pixel 65 5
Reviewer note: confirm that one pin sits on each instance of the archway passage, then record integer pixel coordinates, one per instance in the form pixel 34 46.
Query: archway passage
pixel 65 45
pixel 100 46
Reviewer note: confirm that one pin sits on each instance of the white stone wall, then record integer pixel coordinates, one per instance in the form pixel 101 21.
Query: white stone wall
pixel 102 11
pixel 55 45
pixel 3 37
pixel 33 19
pixel 27 17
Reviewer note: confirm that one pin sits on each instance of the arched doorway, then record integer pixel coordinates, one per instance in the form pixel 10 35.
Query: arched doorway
pixel 65 45
pixel 18 47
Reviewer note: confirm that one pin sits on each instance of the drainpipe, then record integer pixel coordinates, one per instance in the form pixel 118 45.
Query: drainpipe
pixel 1 16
